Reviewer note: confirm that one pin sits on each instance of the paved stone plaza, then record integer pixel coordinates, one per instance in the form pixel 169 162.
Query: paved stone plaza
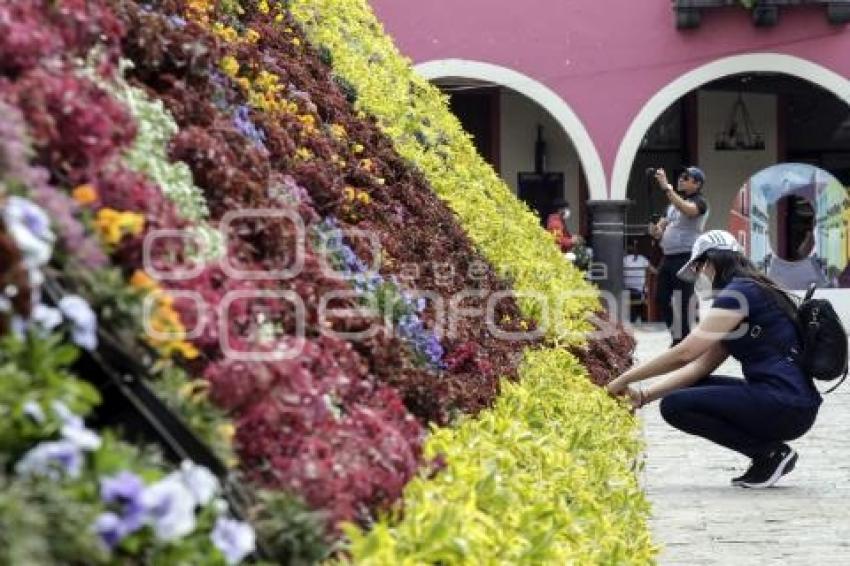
pixel 700 519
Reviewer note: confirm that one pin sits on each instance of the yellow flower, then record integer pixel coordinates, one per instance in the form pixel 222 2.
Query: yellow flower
pixel 263 6
pixel 524 325
pixel 192 388
pixel 309 122
pixel 227 431
pixel 84 194
pixel 349 193
pixel 107 225
pixel 367 164
pixel 252 36
pixel 364 197
pixel 185 390
pixel 304 154
pixel 142 281
pixel 230 66
pixel 227 33
pixel 266 81
pixel 278 18
pixel 187 350
pixel 244 83
pixel 133 223
pixel 357 148
pixel 338 131
pixel 296 42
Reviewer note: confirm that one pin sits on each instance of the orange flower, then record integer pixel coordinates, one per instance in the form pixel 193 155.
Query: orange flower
pixel 85 194
pixel 143 281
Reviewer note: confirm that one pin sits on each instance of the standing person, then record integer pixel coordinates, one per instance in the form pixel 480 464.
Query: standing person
pixel 556 223
pixel 678 230
pixel 635 266
pixel 752 319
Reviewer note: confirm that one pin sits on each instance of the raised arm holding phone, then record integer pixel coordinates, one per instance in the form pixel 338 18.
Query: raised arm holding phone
pixel 677 231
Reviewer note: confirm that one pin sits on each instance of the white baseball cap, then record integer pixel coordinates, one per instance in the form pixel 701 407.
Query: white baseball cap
pixel 711 240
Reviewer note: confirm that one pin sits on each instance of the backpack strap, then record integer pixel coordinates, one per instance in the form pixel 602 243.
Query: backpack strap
pixel 840 381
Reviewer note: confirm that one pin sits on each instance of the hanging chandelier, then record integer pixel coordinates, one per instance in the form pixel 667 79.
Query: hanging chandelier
pixel 739 133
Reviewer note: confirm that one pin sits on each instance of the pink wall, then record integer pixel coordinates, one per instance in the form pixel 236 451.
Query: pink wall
pixel 605 58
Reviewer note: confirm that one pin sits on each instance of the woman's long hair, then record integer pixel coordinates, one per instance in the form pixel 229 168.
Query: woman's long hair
pixel 728 265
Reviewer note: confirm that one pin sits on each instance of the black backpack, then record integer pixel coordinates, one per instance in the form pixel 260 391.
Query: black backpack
pixel 823 339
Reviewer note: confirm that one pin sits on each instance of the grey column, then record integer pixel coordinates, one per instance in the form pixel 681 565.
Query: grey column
pixel 607 228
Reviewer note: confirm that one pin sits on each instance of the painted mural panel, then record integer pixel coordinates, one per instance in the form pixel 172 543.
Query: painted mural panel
pixel 795 228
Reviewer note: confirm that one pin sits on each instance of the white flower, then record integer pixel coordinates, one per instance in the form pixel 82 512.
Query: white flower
pixel 170 508
pixel 33 411
pixel 234 539
pixel 200 481
pixel 83 321
pixel 29 226
pixel 51 460
pixel 74 430
pixel 46 317
pixel 82 437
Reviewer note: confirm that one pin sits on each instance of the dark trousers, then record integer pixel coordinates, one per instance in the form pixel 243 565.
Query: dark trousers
pixel 732 413
pixel 674 295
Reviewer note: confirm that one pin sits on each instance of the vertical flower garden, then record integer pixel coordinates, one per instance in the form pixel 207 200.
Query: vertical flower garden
pixel 283 228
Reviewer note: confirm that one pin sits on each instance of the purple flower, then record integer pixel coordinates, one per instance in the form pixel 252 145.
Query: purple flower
pixel 123 487
pixel 234 539
pixel 243 123
pixel 110 528
pixel 83 321
pixel 177 21
pixel 63 210
pixel 52 460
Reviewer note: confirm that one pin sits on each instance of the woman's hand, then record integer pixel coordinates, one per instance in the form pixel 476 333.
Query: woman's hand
pixel 636 396
pixel 614 389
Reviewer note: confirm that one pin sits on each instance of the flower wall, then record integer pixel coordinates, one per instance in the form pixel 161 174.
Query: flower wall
pixel 149 139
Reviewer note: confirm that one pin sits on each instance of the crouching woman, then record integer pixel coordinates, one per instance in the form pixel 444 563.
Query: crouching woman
pixel 750 318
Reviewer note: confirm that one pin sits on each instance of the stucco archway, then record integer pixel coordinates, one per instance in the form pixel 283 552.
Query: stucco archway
pixel 540 94
pixel 737 64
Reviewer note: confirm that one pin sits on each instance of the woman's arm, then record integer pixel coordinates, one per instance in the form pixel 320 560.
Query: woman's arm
pixel 687 375
pixel 716 324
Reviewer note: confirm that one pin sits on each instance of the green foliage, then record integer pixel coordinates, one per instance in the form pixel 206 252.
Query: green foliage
pixel 548 474
pixel 544 477
pixel 414 114
pixel 293 532
pixel 149 155
pixel 42 523
pixel 209 423
pixel 34 371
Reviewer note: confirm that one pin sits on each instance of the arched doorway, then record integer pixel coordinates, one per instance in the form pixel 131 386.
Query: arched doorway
pixel 748 64
pixel 734 118
pixel 509 114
